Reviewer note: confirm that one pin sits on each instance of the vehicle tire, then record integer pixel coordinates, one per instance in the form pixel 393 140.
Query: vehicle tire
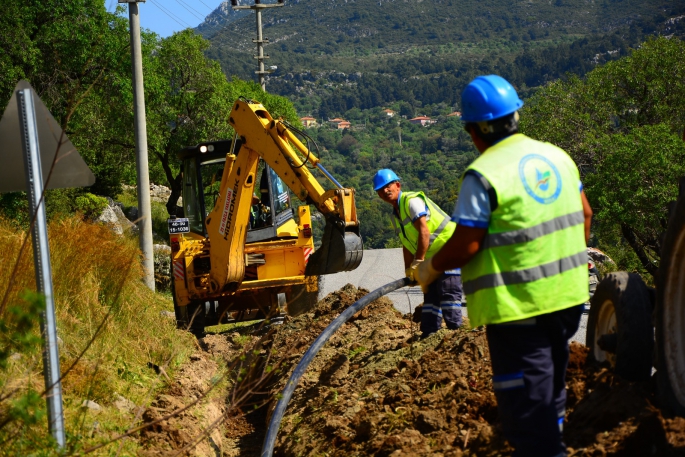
pixel 180 311
pixel 619 328
pixel 670 314
pixel 196 317
pixel 301 301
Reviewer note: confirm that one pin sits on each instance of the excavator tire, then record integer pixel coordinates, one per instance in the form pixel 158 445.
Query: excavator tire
pixel 196 315
pixel 180 311
pixel 619 328
pixel 670 313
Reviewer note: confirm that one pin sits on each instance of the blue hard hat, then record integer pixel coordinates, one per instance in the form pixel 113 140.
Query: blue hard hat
pixel 488 97
pixel 384 177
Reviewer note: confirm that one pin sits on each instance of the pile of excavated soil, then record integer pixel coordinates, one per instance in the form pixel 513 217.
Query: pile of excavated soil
pixel 374 389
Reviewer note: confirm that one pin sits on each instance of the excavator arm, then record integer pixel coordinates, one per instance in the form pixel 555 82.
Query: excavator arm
pixel 259 135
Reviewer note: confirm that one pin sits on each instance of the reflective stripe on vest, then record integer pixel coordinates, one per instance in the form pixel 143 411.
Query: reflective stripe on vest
pixel 528 234
pixel 439 225
pixel 528 275
pixel 533 259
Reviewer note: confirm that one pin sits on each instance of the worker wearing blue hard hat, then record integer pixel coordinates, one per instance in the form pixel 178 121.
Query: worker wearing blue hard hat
pixel 423 229
pixel 522 225
pixel 384 177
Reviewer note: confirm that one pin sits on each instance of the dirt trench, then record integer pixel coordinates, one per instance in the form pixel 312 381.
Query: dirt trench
pixel 374 389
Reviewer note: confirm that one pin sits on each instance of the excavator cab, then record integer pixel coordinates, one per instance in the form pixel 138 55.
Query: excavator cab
pixel 271 213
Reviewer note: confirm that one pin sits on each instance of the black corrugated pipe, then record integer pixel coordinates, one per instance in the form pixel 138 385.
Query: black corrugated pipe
pixel 275 422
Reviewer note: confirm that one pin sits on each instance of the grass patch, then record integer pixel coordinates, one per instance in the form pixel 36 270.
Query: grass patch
pixel 97 278
pixel 234 327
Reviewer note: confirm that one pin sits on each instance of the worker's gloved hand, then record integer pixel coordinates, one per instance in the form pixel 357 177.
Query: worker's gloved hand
pixel 426 274
pixel 412 271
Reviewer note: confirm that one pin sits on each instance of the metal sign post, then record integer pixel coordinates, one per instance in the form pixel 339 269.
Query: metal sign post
pixel 41 256
pixel 28 126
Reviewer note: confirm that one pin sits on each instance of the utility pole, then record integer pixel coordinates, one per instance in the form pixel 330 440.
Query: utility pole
pixel 258 7
pixel 143 179
pixel 399 132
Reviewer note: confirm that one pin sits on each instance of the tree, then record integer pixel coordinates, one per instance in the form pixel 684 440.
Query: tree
pixel 72 52
pixel 347 144
pixel 622 125
pixel 632 186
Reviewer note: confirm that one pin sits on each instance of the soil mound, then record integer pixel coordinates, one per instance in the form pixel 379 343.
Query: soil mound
pixel 376 389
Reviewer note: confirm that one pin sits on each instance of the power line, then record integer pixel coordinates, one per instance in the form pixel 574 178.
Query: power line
pixel 199 12
pixel 207 5
pixel 226 30
pixel 172 16
pixel 190 9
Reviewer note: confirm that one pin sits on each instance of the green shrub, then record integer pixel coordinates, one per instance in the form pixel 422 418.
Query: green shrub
pixel 91 206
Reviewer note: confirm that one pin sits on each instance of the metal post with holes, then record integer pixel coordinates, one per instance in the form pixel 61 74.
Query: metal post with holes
pixel 142 167
pixel 41 256
pixel 258 7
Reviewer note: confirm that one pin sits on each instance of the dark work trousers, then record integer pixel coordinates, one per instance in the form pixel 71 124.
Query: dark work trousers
pixel 529 359
pixel 443 300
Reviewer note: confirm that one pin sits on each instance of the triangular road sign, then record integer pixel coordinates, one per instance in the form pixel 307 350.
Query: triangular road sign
pixel 70 169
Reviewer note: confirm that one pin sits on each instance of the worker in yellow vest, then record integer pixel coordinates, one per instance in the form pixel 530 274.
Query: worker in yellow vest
pixel 423 229
pixel 522 226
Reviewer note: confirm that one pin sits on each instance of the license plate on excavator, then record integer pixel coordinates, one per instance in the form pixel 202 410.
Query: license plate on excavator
pixel 179 225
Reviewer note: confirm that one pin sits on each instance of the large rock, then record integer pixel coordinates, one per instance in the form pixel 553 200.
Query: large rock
pixel 114 218
pixel 158 193
pixel 109 218
pixel 598 256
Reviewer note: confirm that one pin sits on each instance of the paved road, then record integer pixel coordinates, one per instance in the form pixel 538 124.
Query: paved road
pixel 381 266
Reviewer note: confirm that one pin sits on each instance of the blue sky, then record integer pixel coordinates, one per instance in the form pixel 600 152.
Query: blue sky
pixel 165 17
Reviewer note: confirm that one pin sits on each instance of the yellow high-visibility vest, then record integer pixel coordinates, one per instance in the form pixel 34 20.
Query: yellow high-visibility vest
pixel 439 225
pixel 533 259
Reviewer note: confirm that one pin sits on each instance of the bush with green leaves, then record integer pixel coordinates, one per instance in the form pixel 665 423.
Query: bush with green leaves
pixel 91 206
pixel 623 125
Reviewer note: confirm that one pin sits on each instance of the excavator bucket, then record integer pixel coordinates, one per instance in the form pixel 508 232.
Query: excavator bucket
pixel 340 251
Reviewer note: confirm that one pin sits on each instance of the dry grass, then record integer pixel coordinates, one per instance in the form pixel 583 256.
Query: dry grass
pixel 97 279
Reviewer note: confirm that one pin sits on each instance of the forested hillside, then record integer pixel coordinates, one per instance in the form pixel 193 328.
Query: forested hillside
pixel 333 56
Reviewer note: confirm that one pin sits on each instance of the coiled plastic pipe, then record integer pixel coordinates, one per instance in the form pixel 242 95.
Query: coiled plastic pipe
pixel 275 423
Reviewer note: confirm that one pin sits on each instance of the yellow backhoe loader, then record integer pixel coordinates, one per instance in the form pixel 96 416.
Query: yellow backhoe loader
pixel 242 251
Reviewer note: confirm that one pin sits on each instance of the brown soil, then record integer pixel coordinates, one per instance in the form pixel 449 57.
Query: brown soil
pixel 374 389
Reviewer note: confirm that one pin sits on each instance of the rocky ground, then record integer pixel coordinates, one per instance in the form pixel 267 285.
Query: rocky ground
pixel 374 389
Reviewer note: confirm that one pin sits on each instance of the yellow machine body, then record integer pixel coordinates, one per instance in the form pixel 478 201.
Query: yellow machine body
pixel 228 267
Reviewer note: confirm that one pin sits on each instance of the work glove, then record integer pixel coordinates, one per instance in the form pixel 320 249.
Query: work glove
pixel 412 270
pixel 426 274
